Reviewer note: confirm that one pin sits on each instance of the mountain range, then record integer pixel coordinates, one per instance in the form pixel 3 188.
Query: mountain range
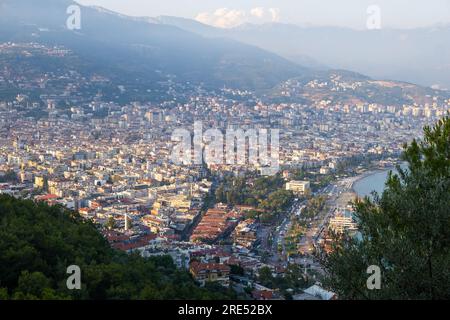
pixel 420 56
pixel 143 51
pixel 137 45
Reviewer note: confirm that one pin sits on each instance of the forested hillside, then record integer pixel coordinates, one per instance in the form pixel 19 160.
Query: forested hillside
pixel 39 242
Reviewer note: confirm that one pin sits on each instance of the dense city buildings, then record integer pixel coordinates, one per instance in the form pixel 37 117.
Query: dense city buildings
pixel 65 140
pixel 112 164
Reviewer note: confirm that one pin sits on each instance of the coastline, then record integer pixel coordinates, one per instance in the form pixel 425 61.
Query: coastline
pixel 368 174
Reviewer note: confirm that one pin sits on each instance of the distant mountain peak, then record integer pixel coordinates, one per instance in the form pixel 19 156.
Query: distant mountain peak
pixel 143 45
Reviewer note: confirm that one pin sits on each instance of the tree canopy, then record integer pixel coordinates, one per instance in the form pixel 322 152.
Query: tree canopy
pixel 264 193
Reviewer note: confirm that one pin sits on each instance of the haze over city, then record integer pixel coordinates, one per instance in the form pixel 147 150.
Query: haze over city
pixel 345 13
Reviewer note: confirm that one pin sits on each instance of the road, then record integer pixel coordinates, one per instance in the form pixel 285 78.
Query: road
pixel 307 243
pixel 273 236
pixel 282 229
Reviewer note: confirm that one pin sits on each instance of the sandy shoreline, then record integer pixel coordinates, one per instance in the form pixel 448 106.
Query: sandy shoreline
pixel 368 174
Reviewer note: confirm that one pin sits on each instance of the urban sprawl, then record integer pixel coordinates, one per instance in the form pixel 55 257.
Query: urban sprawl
pixel 112 163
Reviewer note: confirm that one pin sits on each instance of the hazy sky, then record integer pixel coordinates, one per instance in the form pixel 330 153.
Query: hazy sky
pixel 349 13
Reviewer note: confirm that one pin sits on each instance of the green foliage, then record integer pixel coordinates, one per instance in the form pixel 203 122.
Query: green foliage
pixel 317 181
pixel 38 243
pixel 406 231
pixel 111 223
pixel 293 278
pixel 35 286
pixel 314 207
pixel 264 193
pixel 237 270
pixel 3 294
pixel 265 276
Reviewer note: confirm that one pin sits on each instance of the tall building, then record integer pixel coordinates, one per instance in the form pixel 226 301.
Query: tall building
pixel 298 187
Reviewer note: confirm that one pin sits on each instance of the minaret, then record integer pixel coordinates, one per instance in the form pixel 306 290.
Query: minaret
pixel 126 222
